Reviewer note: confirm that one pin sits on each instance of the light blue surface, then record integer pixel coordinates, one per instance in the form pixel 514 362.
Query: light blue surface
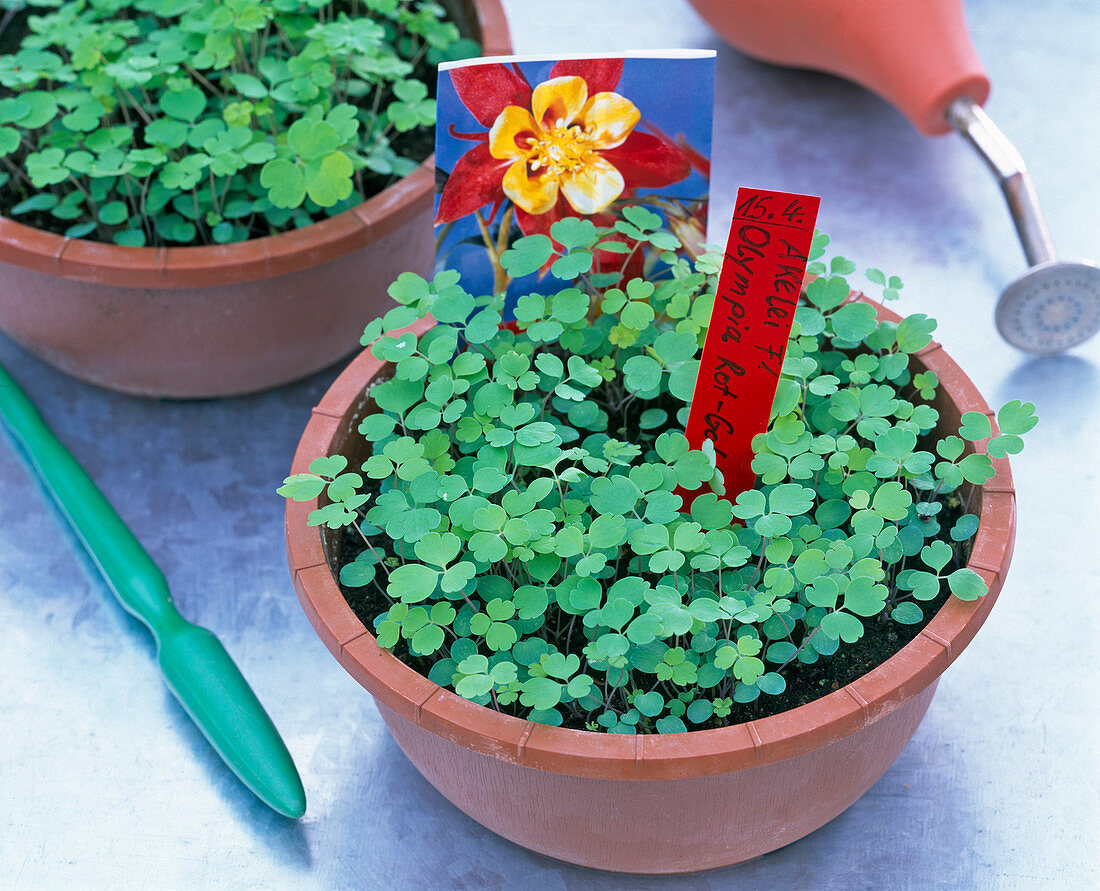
pixel 997 790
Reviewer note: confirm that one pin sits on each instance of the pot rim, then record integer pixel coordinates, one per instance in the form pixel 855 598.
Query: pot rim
pixel 612 756
pixel 173 268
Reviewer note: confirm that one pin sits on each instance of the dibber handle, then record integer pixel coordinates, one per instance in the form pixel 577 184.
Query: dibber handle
pixel 195 665
pixel 133 576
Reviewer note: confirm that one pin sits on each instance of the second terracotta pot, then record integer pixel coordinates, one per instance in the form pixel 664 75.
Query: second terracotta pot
pixel 657 803
pixel 224 319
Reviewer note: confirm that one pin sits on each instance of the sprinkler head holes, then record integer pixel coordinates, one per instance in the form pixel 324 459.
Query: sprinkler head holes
pixel 1051 308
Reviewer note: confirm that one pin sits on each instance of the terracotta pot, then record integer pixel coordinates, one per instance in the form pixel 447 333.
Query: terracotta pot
pixel 225 319
pixel 648 804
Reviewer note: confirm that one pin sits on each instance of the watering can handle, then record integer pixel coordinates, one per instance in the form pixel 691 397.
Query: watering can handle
pixel 915 54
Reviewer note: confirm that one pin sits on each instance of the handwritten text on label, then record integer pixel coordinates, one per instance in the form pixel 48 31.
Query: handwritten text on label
pixel 758 289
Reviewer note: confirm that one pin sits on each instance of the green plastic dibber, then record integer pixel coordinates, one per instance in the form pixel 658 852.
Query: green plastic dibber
pixel 195 665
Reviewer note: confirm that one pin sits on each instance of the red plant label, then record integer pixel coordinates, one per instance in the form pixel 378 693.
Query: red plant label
pixel 758 290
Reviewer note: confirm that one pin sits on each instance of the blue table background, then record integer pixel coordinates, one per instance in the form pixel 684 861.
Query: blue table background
pixel 104 783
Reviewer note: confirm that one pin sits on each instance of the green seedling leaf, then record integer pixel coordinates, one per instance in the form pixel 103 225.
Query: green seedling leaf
pixel 771 683
pixel 907 613
pixel 302 487
pixel 642 374
pixel 649 704
pixel 977 469
pixel 642 218
pixel 541 693
pixel 966 584
pixel 527 255
pixel 827 292
pixel 1017 418
pixel 9 140
pixel 329 181
pixel 574 232
pixel 842 626
pixel 572 265
pixel 412 583
pixel 975 426
pixel 790 499
pixel 854 321
pixel 892 501
pixel 113 213
pixel 671 724
pixel 285 182
pixel 936 555
pixel 1008 444
pixel 964 527
pixel 184 105
pixel 914 332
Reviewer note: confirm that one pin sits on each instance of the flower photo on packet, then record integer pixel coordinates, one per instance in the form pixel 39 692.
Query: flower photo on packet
pixel 523 143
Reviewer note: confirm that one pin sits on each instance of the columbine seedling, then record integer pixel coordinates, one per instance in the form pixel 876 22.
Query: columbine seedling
pixel 526 534
pixel 210 121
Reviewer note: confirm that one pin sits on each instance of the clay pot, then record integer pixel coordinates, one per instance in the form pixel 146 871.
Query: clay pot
pixel 657 803
pixel 224 319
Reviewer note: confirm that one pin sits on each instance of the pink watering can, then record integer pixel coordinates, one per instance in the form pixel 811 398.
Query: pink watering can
pixel 917 55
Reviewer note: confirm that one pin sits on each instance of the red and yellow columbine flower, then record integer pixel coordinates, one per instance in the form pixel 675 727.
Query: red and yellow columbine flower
pixel 555 147
pixel 568 147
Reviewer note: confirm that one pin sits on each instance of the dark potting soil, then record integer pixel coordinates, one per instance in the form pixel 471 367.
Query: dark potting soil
pixel 13 26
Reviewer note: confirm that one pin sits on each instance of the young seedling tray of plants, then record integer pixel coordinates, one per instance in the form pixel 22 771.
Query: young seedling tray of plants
pixel 517 536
